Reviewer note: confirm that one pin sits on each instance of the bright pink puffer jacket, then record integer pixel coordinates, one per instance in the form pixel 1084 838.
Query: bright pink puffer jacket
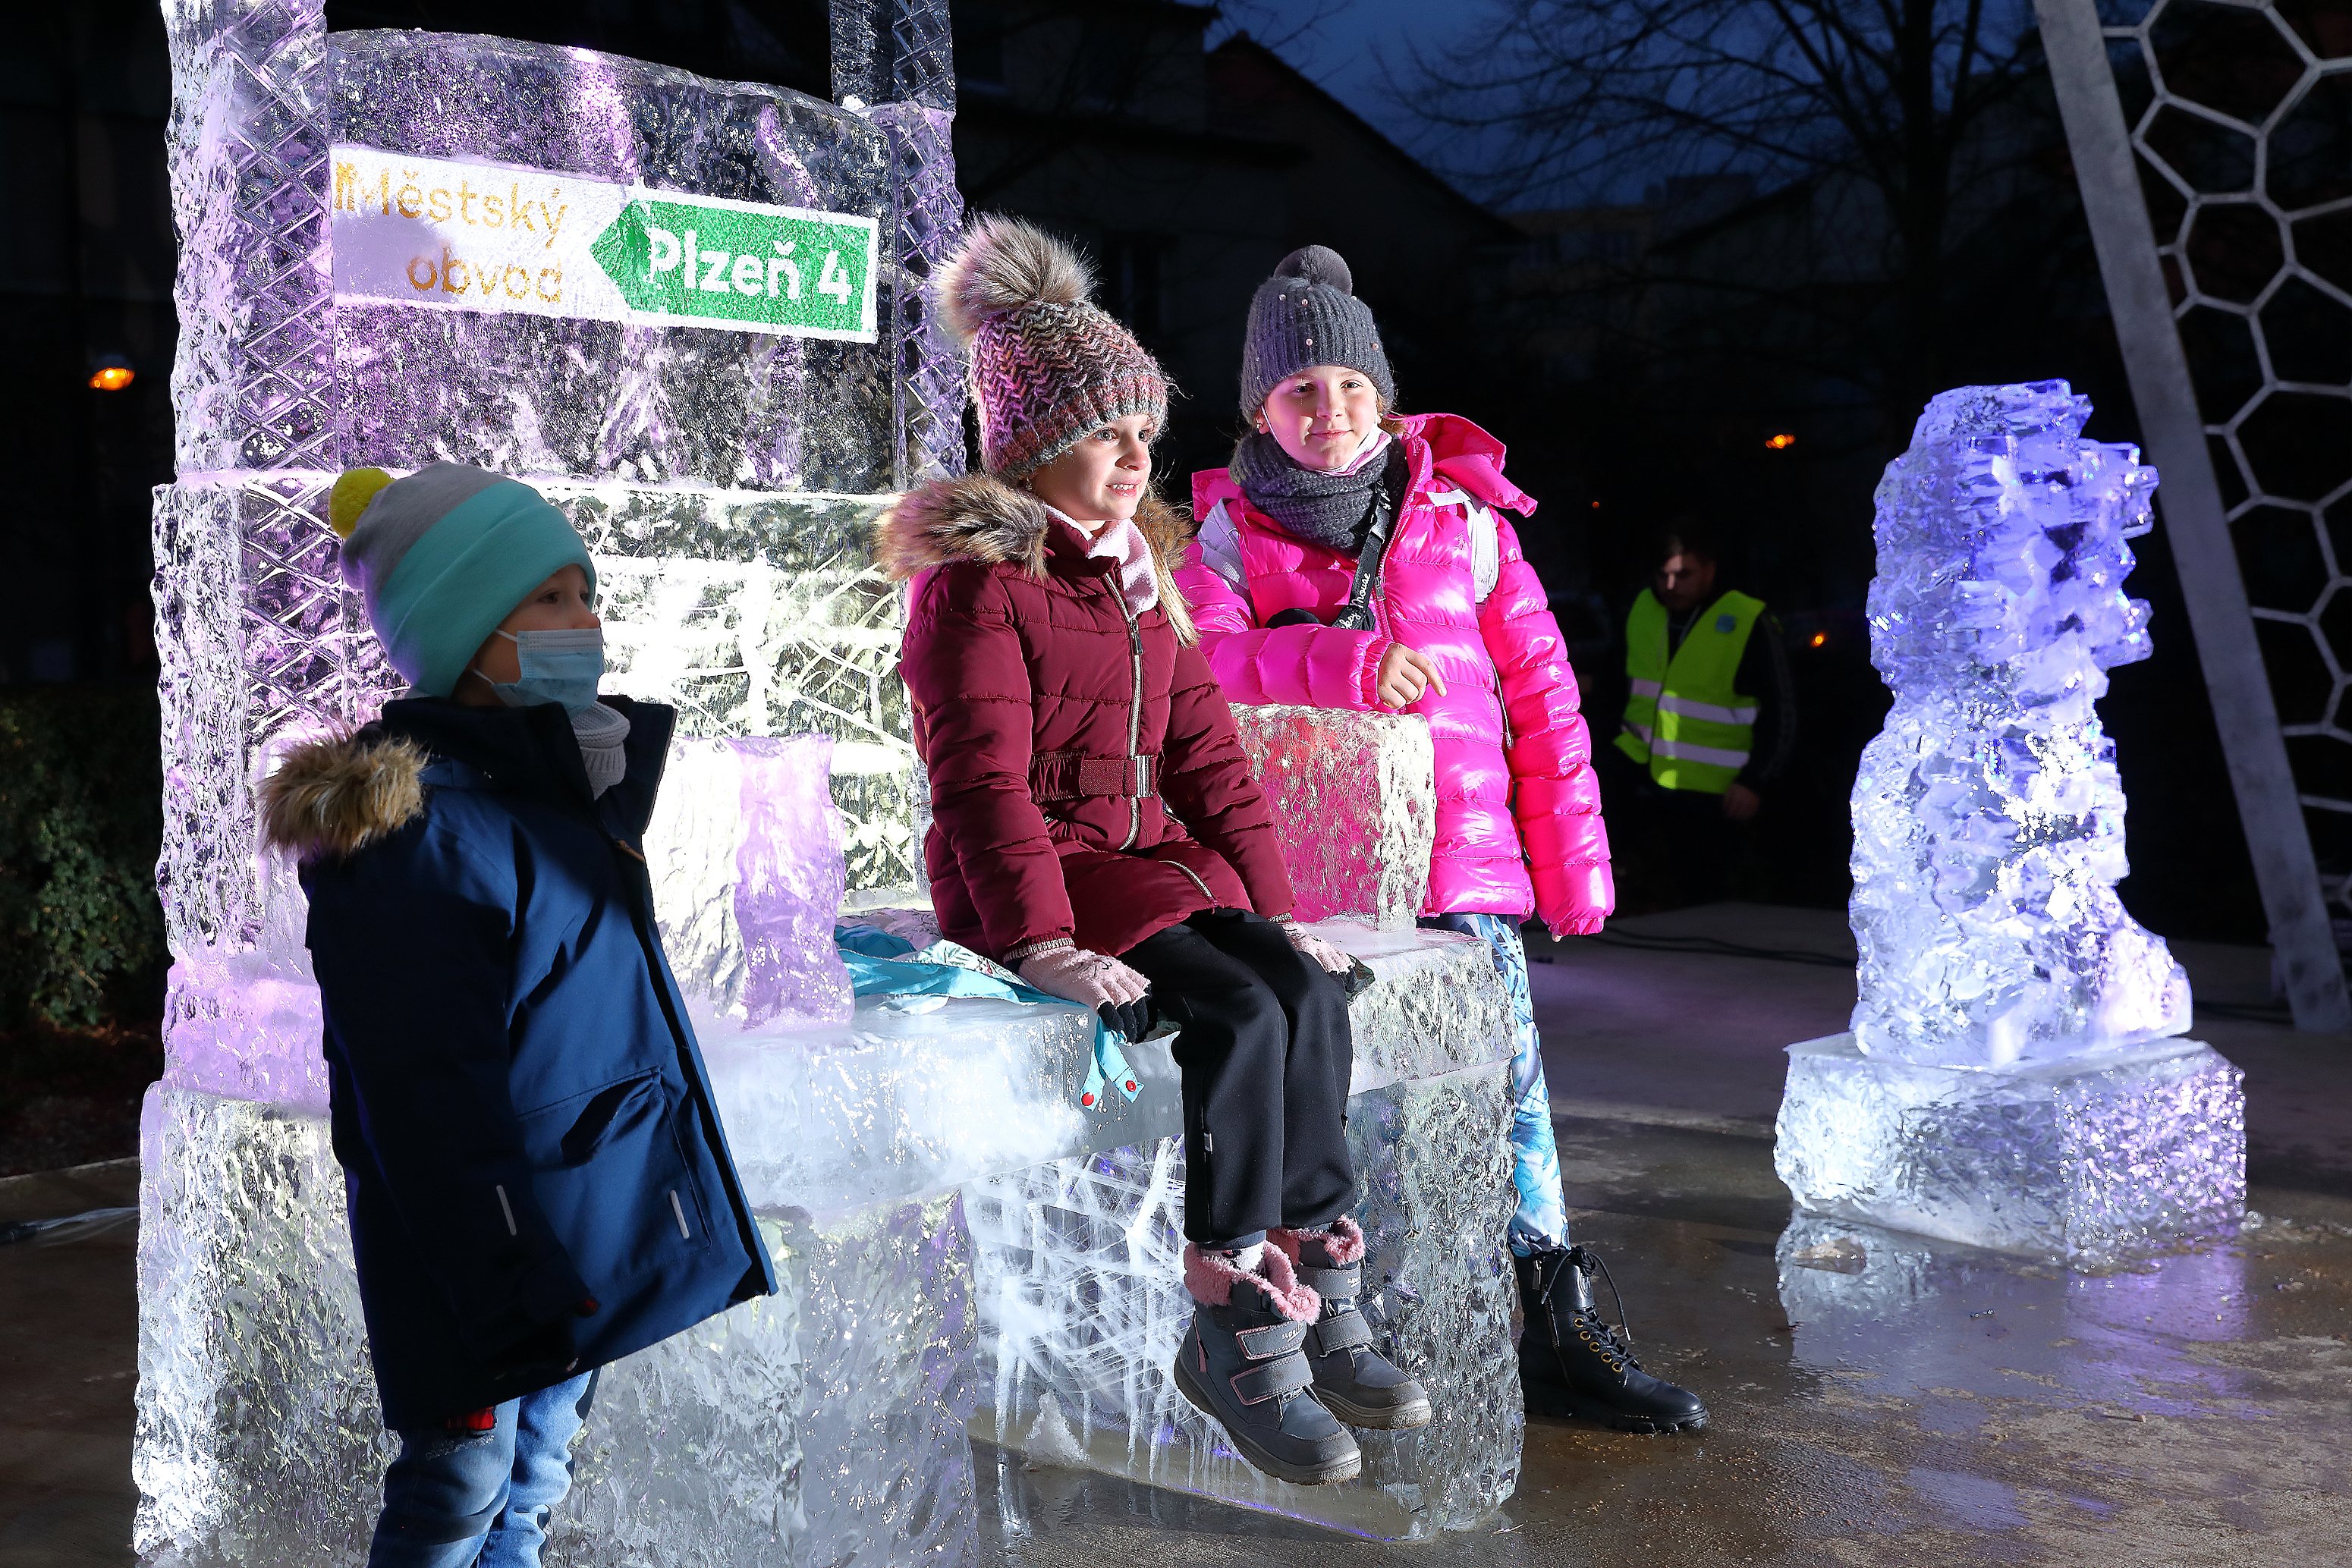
pixel 1500 657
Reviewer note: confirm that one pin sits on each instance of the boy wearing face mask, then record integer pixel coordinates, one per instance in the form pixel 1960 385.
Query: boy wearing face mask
pixel 538 1182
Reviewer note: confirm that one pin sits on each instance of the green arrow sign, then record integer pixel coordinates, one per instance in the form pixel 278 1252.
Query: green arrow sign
pixel 707 263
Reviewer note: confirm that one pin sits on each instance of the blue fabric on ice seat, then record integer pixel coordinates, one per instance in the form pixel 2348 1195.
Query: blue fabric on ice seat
pixel 882 964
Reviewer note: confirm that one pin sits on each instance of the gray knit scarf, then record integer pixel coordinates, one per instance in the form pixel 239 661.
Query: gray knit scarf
pixel 1312 504
pixel 601 731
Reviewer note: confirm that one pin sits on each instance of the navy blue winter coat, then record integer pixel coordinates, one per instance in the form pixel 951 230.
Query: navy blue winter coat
pixel 519 1104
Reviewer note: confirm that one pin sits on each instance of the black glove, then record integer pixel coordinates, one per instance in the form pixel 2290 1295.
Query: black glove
pixel 1133 1019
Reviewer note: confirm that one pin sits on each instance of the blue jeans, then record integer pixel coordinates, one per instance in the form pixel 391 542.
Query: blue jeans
pixel 1541 1221
pixel 459 1500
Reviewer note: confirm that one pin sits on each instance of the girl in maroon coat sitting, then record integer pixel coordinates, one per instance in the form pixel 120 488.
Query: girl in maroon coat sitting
pixel 1060 700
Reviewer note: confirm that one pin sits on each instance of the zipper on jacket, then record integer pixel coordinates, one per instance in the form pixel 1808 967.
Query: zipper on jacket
pixel 1134 720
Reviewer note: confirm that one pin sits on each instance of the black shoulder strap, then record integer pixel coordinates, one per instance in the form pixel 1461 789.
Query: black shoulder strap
pixel 1358 615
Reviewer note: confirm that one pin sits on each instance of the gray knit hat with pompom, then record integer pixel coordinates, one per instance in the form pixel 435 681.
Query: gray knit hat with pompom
pixel 1308 314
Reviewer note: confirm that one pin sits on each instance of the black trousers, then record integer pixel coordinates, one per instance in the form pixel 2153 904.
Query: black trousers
pixel 1267 1056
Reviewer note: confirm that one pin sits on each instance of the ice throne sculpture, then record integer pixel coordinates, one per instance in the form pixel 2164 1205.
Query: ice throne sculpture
pixel 725 481
pixel 2014 1078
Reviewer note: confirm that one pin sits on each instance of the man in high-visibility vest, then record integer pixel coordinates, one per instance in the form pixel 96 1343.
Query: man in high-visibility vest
pixel 1708 713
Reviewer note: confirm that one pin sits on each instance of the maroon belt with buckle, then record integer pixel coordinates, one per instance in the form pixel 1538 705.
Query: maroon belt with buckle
pixel 1072 775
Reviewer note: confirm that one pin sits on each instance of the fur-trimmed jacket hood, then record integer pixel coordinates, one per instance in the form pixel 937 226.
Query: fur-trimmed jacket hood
pixel 330 799
pixel 980 517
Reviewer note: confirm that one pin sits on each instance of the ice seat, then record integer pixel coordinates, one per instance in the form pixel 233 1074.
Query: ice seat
pixel 1081 1301
pixel 826 1423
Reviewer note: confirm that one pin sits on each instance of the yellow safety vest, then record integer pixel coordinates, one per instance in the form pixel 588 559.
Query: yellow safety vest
pixel 1685 720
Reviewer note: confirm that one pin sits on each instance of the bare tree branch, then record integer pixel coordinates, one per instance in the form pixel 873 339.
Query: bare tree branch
pixel 1880 115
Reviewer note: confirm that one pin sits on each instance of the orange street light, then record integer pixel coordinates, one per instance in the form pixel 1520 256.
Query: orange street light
pixel 1821 639
pixel 1781 442
pixel 111 374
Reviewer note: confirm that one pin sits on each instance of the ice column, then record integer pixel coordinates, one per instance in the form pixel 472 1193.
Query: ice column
pixel 2011 1079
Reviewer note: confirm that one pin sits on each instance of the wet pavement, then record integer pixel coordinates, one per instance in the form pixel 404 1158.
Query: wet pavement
pixel 1877 1399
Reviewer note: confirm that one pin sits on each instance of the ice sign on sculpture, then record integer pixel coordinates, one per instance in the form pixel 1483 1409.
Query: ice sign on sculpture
pixel 453 234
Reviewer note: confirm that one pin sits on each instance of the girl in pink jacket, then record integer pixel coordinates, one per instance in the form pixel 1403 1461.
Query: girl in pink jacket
pixel 1350 559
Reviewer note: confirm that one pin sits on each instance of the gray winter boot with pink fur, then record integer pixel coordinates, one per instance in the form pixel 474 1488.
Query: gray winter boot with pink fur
pixel 1352 1380
pixel 1242 1362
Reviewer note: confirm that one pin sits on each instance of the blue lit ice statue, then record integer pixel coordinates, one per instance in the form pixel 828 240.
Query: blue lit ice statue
pixel 2013 1079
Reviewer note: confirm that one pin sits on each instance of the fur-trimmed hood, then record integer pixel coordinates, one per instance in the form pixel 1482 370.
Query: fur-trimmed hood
pixel 980 517
pixel 330 799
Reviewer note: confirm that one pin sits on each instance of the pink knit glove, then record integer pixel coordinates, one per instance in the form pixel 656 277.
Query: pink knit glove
pixel 1333 960
pixel 1075 974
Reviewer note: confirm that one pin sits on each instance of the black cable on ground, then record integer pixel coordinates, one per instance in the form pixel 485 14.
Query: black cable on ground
pixel 69 1226
pixel 1717 946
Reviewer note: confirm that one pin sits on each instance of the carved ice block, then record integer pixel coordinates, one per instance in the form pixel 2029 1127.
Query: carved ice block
pixel 754 614
pixel 824 1425
pixel 1355 801
pixel 550 395
pixel 1081 1297
pixel 745 852
pixel 2086 1161
pixel 745 849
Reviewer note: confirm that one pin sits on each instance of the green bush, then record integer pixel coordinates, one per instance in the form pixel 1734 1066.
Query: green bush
pixel 81 933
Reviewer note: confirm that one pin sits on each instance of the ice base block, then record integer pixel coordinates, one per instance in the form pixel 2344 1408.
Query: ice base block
pixel 823 1425
pixel 827 1423
pixel 2087 1161
pixel 1081 1306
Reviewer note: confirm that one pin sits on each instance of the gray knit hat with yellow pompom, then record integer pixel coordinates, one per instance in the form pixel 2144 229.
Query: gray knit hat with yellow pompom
pixel 1048 366
pixel 1308 314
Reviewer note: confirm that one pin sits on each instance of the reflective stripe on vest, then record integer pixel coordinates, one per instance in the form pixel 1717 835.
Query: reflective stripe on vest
pixel 1685 720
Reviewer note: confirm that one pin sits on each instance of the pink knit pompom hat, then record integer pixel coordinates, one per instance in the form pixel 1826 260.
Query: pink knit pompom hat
pixel 1048 366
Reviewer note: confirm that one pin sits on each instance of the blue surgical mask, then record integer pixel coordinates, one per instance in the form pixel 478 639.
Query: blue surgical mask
pixel 560 667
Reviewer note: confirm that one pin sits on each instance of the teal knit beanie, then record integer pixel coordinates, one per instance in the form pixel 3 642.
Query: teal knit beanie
pixel 445 555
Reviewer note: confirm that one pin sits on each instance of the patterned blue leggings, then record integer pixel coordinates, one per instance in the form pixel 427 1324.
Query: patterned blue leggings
pixel 1542 1217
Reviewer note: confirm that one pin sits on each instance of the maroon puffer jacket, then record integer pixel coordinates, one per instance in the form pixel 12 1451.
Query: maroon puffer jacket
pixel 1054 724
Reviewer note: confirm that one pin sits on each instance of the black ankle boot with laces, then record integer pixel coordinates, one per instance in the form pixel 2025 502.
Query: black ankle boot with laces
pixel 1573 1364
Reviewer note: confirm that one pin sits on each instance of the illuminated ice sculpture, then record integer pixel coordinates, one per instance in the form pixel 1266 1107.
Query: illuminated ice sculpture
pixel 2014 1077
